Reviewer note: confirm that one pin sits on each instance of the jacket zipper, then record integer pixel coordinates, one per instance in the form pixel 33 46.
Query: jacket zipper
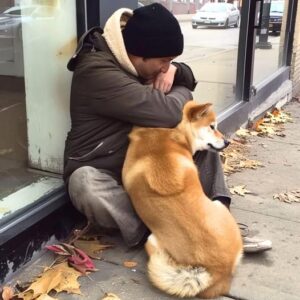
pixel 87 154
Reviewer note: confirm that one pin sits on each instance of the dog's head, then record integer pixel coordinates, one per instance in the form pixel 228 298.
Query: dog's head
pixel 199 122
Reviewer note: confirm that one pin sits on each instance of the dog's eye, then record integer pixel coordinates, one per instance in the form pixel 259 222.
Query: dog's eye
pixel 212 127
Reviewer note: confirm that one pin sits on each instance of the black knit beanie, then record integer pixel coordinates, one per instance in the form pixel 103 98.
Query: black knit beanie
pixel 153 32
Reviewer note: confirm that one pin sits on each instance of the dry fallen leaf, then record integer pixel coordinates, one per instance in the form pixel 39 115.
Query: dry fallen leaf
pixel 266 129
pixel 242 132
pixel 110 296
pixel 234 158
pixel 250 164
pixel 288 197
pixel 277 116
pixel 60 278
pixel 92 248
pixel 239 190
pixel 77 258
pixel 129 264
pixel 272 123
pixel 7 293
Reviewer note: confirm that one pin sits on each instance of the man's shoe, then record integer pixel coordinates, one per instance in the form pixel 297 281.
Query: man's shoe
pixel 253 245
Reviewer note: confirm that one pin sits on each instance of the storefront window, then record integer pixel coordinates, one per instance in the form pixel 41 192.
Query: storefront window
pixel 37 37
pixel 211 36
pixel 270 39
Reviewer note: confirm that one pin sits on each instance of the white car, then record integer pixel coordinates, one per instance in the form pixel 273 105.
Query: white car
pixel 217 15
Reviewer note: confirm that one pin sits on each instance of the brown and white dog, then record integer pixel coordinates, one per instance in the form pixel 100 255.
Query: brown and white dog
pixel 195 243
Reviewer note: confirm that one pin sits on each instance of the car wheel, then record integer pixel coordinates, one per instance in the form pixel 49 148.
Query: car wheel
pixel 226 25
pixel 236 25
pixel 194 26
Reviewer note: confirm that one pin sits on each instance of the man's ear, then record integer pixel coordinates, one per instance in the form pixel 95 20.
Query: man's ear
pixel 199 111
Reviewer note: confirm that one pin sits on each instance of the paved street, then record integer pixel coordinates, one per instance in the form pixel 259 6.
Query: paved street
pixel 215 40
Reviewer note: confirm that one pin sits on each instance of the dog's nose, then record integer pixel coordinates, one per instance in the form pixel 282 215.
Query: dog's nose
pixel 226 142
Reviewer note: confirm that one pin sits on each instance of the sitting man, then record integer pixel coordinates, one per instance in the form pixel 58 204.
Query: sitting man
pixel 125 76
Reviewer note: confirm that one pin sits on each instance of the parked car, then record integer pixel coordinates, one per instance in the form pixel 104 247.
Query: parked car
pixel 12 18
pixel 217 15
pixel 276 13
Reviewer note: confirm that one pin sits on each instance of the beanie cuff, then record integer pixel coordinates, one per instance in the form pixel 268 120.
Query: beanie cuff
pixel 154 47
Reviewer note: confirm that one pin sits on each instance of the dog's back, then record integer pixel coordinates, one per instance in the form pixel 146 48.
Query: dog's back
pixel 195 243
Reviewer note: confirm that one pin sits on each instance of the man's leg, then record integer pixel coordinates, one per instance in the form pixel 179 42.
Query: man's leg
pixel 97 195
pixel 212 176
pixel 213 182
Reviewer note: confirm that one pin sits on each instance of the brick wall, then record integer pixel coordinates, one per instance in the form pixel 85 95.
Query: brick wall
pixel 295 72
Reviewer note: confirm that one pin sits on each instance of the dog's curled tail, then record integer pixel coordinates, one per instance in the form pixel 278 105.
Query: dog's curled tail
pixel 174 279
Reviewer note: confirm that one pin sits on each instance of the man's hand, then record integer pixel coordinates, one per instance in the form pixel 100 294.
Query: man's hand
pixel 164 81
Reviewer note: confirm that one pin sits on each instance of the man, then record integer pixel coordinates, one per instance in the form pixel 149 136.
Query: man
pixel 126 76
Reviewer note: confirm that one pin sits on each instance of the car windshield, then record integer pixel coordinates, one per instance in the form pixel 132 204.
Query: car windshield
pixel 277 7
pixel 214 7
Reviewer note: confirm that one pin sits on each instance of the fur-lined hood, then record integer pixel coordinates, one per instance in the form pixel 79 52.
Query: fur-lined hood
pixel 112 34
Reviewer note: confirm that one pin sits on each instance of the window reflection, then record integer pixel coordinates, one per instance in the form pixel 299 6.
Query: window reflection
pixel 211 35
pixel 269 52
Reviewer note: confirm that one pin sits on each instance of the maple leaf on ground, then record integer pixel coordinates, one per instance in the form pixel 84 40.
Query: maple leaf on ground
pixel 92 248
pixel 77 258
pixel 81 262
pixel 60 278
pixel 239 190
pixel 250 164
pixel 288 197
pixel 110 296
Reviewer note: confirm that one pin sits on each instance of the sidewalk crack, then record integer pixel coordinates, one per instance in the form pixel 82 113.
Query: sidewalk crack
pixel 267 215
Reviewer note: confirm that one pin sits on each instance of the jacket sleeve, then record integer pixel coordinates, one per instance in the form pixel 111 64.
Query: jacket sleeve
pixel 112 93
pixel 184 76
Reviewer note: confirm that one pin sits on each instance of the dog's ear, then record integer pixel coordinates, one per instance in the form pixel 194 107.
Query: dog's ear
pixel 199 111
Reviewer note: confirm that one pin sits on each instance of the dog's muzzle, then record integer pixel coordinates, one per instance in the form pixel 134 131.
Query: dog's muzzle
pixel 226 144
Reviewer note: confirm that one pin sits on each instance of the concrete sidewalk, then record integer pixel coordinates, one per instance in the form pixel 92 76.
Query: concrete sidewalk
pixel 273 275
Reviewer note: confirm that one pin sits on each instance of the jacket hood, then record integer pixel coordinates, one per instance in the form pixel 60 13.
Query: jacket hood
pixel 86 42
pixel 114 38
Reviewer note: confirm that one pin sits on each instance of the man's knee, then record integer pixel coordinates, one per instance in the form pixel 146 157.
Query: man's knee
pixel 88 194
pixel 80 184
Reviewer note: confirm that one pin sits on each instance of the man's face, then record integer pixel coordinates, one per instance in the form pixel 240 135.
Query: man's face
pixel 149 68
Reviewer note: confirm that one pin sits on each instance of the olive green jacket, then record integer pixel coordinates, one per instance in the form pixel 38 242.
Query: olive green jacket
pixel 106 101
